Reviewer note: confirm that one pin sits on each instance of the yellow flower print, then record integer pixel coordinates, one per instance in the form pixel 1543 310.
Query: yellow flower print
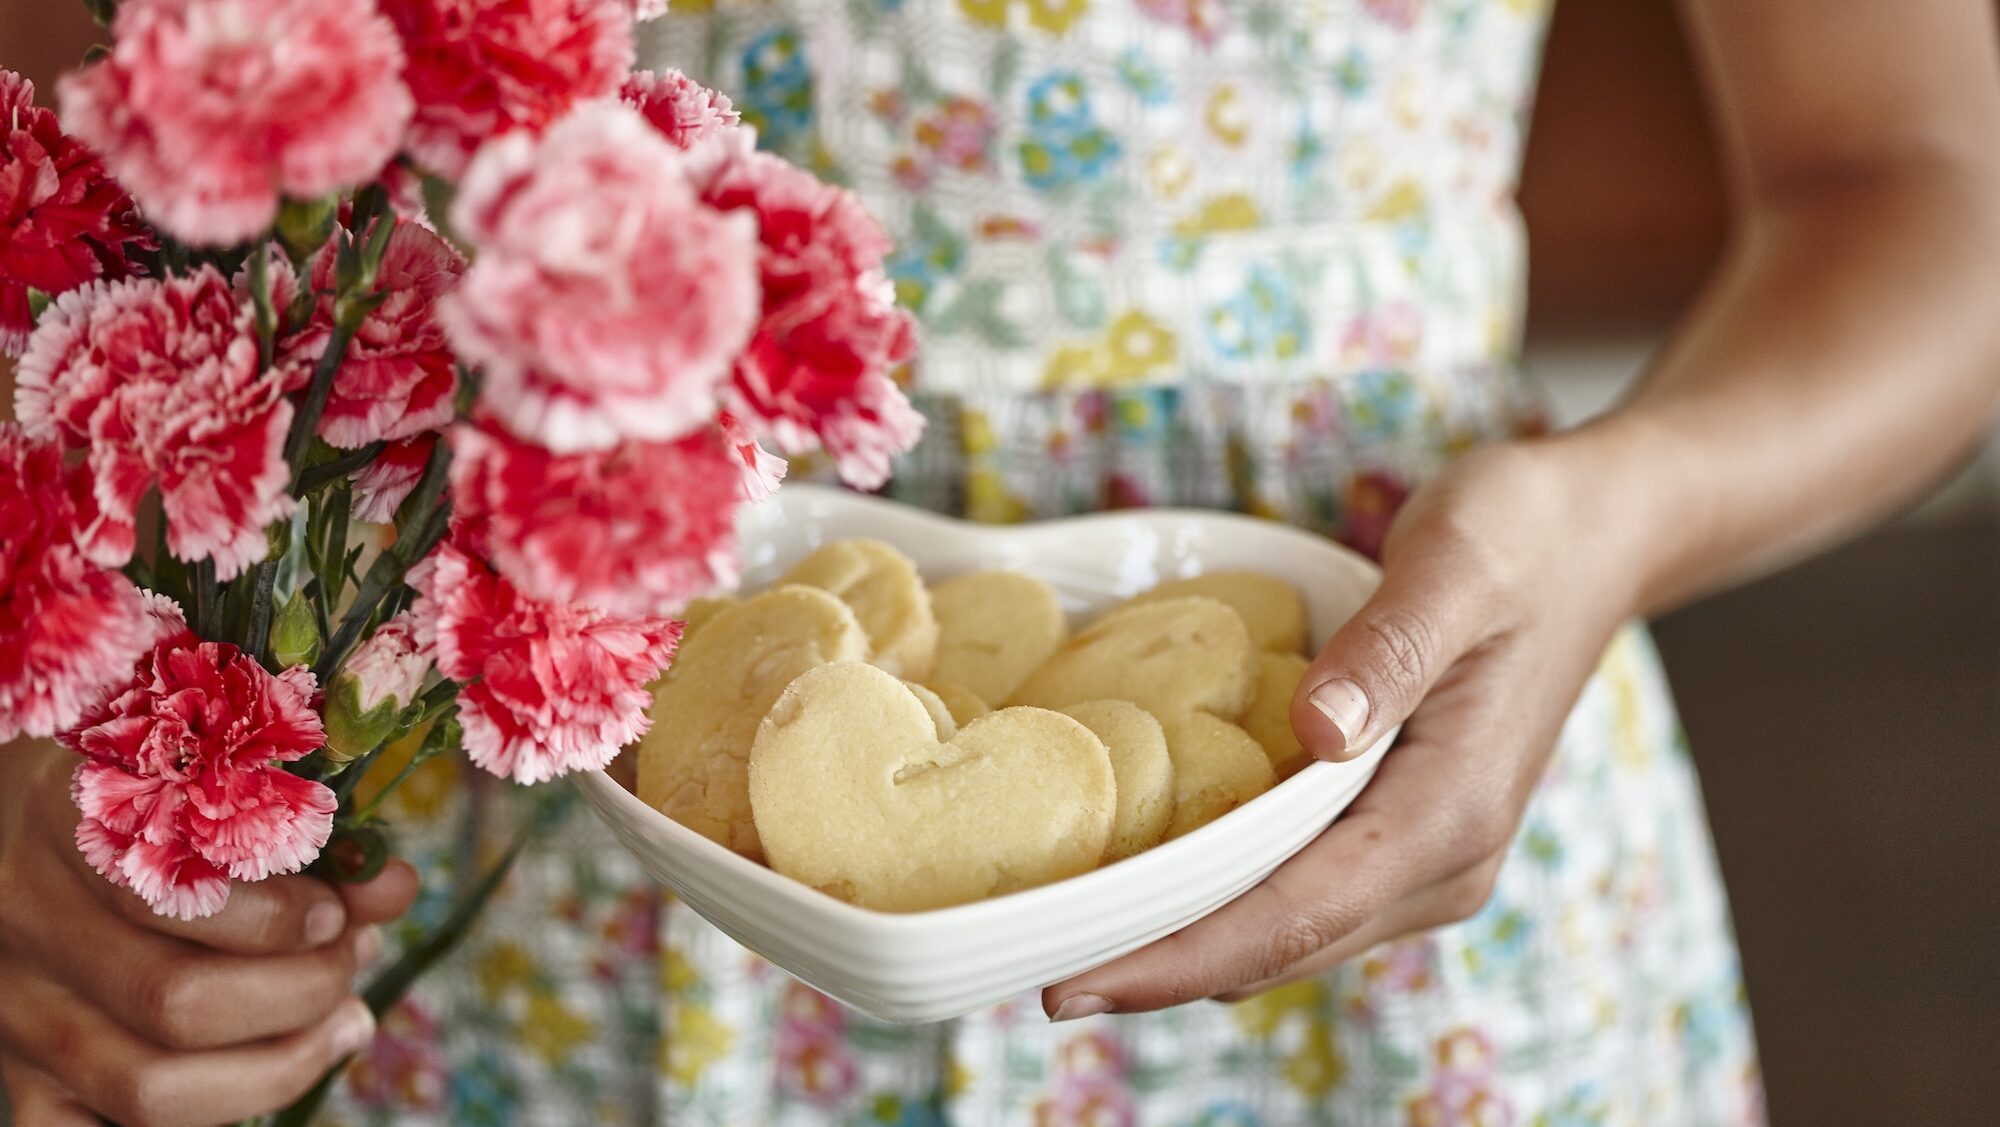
pixel 1228 116
pixel 1316 1067
pixel 1404 202
pixel 698 1040
pixel 1261 1016
pixel 1360 165
pixel 1406 102
pixel 988 501
pixel 1137 346
pixel 501 967
pixel 1170 170
pixel 975 434
pixel 1620 668
pixel 1234 211
pixel 552 1030
pixel 990 13
pixel 677 971
pixel 957 1077
pixel 1075 365
pixel 1056 16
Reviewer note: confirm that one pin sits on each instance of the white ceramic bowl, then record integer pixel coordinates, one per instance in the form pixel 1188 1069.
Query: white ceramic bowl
pixel 929 966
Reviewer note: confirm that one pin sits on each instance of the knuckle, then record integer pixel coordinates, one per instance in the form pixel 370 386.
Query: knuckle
pixel 137 1096
pixel 1403 642
pixel 1469 894
pixel 168 999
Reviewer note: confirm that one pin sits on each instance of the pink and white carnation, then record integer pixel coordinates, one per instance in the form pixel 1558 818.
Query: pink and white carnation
pixel 210 110
pixel 159 380
pixel 399 375
pixel 548 688
pixel 181 789
pixel 606 301
pixel 481 69
pixel 381 485
pixel 368 695
pixel 817 372
pixel 69 628
pixel 63 220
pixel 636 529
pixel 762 471
pixel 683 111
pixel 643 10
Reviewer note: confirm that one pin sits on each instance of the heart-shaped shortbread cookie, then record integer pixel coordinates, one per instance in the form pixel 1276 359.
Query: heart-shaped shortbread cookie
pixel 693 763
pixel 854 795
pixel 882 586
pixel 1169 656
pixel 941 714
pixel 1269 720
pixel 1271 608
pixel 1217 767
pixel 995 628
pixel 1142 768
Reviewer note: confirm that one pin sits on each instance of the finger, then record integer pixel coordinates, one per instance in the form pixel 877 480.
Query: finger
pixel 36 1100
pixel 131 1081
pixel 1374 671
pixel 384 897
pixel 274 916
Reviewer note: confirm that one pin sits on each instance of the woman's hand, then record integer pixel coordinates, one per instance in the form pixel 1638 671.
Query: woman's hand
pixel 1501 586
pixel 107 1009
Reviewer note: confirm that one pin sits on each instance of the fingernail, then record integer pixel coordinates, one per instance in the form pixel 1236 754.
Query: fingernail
pixel 367 944
pixel 1081 1005
pixel 352 1027
pixel 323 923
pixel 1346 705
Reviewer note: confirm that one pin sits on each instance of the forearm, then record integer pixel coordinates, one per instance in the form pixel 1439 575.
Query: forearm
pixel 1846 357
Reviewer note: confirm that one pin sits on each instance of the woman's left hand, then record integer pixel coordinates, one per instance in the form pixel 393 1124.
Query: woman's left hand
pixel 1501 586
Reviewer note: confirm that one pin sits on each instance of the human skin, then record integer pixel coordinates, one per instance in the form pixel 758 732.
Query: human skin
pixel 1845 356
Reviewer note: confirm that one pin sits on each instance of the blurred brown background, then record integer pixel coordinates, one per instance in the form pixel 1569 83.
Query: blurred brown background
pixel 1845 715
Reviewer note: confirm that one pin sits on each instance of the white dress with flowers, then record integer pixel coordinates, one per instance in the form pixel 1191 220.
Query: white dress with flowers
pixel 1252 254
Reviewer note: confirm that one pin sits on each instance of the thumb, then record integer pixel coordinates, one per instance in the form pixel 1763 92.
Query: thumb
pixel 1379 666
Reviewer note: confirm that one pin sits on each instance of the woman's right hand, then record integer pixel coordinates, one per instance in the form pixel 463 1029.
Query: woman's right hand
pixel 109 1010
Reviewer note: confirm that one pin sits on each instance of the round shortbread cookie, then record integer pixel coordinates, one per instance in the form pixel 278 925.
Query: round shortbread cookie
pixel 854 795
pixel 693 761
pixel 1217 767
pixel 1166 657
pixel 1271 608
pixel 1269 720
pixel 995 628
pixel 887 595
pixel 1142 768
pixel 964 705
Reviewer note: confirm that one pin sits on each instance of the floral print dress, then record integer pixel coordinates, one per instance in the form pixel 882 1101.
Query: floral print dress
pixel 1249 254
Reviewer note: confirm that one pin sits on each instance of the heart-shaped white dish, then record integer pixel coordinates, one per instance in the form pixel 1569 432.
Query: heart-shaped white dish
pixel 929 966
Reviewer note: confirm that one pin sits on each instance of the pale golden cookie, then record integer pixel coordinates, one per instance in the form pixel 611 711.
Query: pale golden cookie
pixel 693 762
pixel 699 612
pixel 889 598
pixel 1271 608
pixel 941 714
pixel 1166 657
pixel 965 706
pixel 855 796
pixel 1142 768
pixel 995 628
pixel 1217 767
pixel 1269 720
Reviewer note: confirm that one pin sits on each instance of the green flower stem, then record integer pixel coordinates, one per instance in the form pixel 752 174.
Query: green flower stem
pixel 314 404
pixel 257 635
pixel 266 317
pixel 339 503
pixel 441 734
pixel 315 477
pixel 205 596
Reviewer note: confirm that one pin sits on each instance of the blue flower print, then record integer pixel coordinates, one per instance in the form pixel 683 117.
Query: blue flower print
pixel 1263 321
pixel 484 1093
pixel 777 92
pixel 1065 146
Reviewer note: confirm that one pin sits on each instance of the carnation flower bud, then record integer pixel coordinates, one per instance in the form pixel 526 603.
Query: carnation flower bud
pixel 382 677
pixel 295 633
pixel 305 225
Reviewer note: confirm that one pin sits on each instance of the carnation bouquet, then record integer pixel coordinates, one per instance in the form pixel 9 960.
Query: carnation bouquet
pixel 389 372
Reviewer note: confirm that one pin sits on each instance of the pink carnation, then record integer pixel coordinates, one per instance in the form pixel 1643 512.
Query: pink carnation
pixel 643 10
pixel 159 380
pixel 399 374
pixel 606 301
pixel 548 688
pixel 379 487
pixel 483 68
pixel 631 530
pixel 180 789
pixel 210 110
pixel 761 470
pixel 69 628
pixel 684 111
pixel 817 370
pixel 63 222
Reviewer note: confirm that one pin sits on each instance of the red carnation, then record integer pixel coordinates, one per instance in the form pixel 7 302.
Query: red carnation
pixel 63 221
pixel 69 628
pixel 159 381
pixel 817 371
pixel 636 529
pixel 180 789
pixel 481 68
pixel 548 688
pixel 399 375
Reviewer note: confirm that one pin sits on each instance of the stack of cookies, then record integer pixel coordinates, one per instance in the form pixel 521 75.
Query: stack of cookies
pixel 842 725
